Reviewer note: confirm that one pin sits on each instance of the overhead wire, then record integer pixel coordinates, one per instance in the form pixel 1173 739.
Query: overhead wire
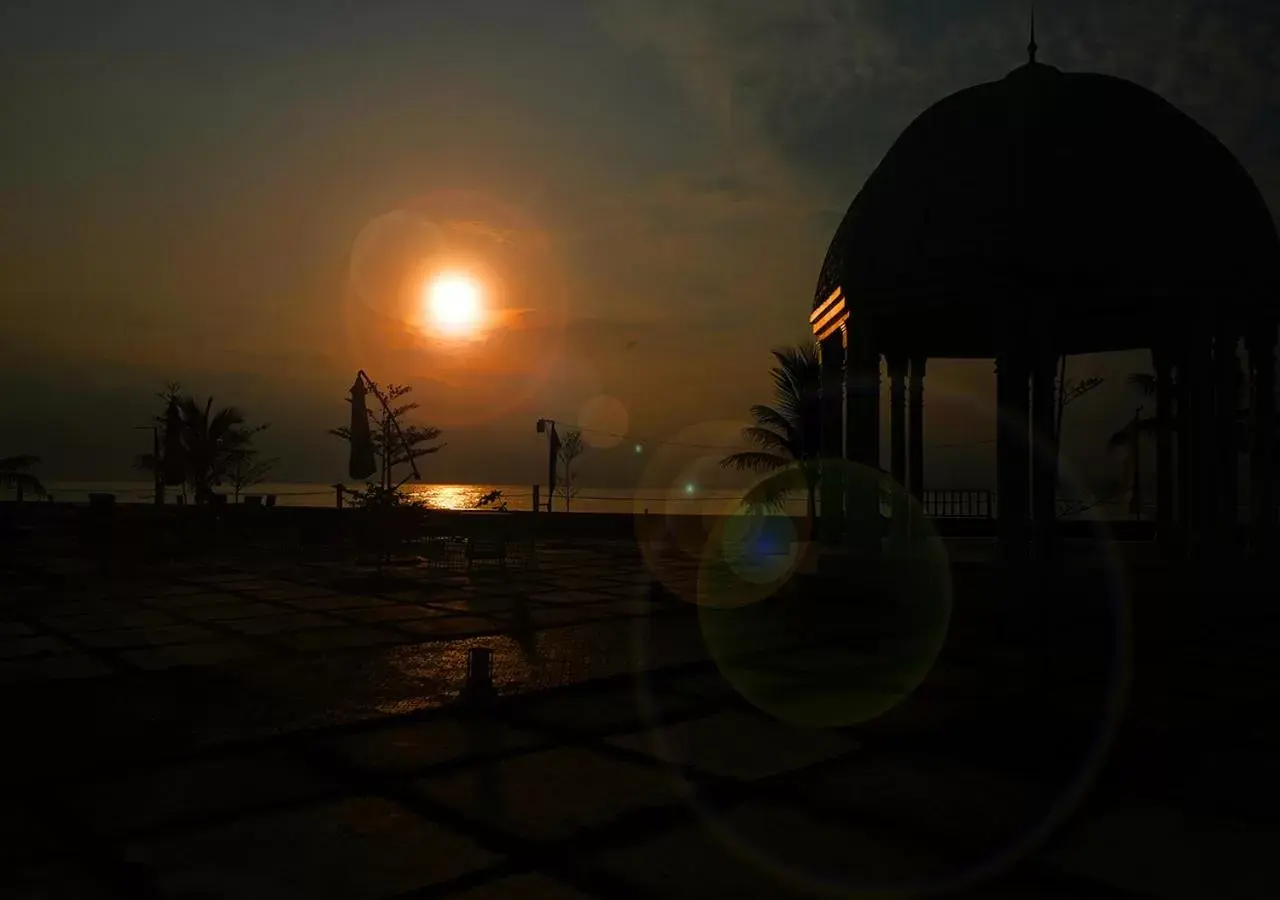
pixel 724 448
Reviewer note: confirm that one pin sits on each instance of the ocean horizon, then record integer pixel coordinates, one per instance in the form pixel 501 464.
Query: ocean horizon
pixel 656 500
pixel 443 496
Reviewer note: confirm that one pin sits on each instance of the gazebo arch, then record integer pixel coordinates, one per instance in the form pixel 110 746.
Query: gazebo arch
pixel 1044 214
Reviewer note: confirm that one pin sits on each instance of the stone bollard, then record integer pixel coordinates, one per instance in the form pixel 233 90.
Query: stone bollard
pixel 479 686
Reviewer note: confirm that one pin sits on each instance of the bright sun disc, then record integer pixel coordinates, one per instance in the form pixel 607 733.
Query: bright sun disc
pixel 454 303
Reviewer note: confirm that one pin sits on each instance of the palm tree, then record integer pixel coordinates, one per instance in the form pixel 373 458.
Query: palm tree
pixel 1147 386
pixel 1146 383
pixel 787 435
pixel 212 442
pixel 158 464
pixel 14 474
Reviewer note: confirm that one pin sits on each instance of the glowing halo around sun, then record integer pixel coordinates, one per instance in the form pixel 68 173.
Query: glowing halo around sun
pixel 454 304
pixel 515 347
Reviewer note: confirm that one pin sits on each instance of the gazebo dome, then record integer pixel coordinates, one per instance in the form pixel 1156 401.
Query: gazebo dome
pixel 1084 192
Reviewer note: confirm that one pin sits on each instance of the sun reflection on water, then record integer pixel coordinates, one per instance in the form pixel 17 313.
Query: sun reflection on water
pixel 446 496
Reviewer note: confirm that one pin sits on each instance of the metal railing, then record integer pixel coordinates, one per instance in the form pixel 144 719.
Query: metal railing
pixel 959 503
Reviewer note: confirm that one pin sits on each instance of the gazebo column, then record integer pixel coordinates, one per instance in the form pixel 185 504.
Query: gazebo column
pixel 862 438
pixel 1165 535
pixel 1012 458
pixel 1226 406
pixel 1186 464
pixel 915 446
pixel 915 438
pixel 1261 344
pixel 831 355
pixel 1043 460
pixel 897 365
pixel 1201 420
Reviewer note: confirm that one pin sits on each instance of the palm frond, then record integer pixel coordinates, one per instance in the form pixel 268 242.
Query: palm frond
pixel 14 474
pixel 18 463
pixel 797 381
pixel 770 441
pixel 1144 382
pixel 754 461
pixel 772 493
pixel 789 430
pixel 226 422
pixel 22 481
pixel 768 417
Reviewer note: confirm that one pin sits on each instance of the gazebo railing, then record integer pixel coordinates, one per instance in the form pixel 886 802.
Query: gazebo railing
pixel 959 503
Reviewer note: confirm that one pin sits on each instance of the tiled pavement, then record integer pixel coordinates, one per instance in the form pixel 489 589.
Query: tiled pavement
pixel 283 734
pixel 85 628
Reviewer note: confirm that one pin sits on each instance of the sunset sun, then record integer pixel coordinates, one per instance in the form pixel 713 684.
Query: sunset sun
pixel 454 303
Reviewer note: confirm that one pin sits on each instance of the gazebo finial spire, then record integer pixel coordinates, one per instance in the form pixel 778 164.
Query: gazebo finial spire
pixel 1032 47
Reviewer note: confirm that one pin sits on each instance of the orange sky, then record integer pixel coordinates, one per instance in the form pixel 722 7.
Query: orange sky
pixel 246 202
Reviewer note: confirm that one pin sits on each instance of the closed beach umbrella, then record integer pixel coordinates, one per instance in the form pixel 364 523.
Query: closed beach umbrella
pixel 551 463
pixel 362 463
pixel 173 465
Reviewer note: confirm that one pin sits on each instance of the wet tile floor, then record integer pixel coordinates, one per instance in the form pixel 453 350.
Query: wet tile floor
pixel 268 732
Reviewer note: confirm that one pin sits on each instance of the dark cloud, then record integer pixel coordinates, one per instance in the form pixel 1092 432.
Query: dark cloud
pixel 830 85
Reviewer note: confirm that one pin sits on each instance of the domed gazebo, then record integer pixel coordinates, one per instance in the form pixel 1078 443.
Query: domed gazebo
pixel 1044 214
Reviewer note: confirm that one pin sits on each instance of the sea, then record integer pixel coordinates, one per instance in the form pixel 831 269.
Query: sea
pixel 687 500
pixel 445 496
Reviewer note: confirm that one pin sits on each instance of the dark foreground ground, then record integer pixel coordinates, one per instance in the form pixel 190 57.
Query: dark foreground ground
pixel 240 727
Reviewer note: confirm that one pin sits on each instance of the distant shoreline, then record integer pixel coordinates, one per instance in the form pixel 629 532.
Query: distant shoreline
pixel 442 496
pixel 675 501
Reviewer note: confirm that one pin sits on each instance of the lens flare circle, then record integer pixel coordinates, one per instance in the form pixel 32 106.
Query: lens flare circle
pixel 672 525
pixel 758 548
pixel 492 372
pixel 1027 833
pixel 385 255
pixel 832 649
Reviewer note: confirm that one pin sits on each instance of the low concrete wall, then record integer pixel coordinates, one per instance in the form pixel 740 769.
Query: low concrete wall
pixel 331 522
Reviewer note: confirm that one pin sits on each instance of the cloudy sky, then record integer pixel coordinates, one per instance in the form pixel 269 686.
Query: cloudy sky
pixel 235 195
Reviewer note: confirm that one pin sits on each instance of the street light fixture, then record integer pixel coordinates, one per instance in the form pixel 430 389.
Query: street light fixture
pixel 155 461
pixel 548 426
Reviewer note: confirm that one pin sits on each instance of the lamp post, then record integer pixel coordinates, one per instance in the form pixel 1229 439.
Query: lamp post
pixel 155 461
pixel 548 426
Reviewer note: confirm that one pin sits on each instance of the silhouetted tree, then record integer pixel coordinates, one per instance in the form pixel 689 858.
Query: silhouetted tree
pixel 211 442
pixel 787 434
pixel 1146 384
pixel 1068 393
pixel 245 470
pixel 148 462
pixel 388 446
pixel 492 500
pixel 14 474
pixel 1071 391
pixel 571 447
pixel 375 496
pixel 1141 427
